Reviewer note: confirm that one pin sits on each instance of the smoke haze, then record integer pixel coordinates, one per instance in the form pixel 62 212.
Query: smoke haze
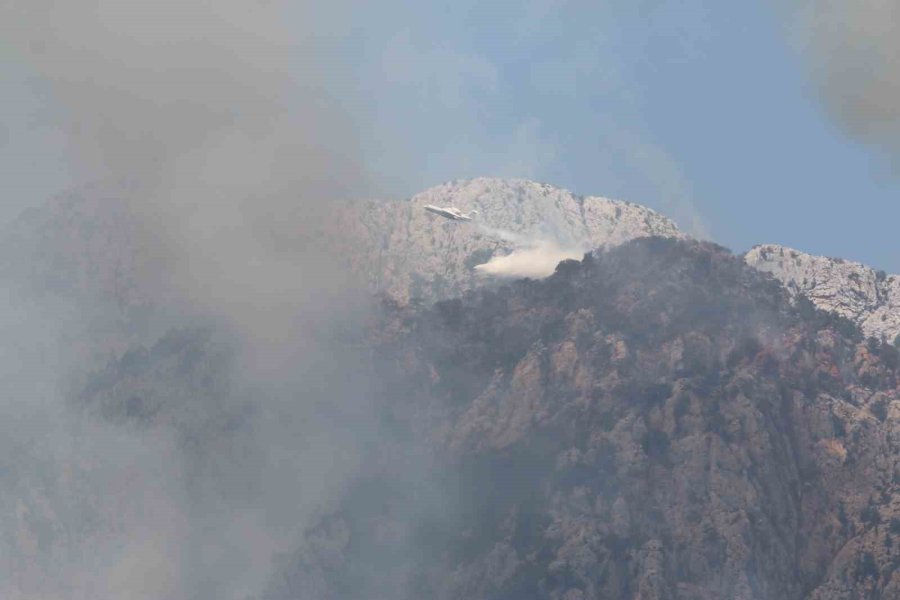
pixel 220 132
pixel 179 459
pixel 225 124
pixel 852 49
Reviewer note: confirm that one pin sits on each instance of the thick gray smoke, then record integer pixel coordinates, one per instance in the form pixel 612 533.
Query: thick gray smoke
pixel 143 84
pixel 852 49
pixel 219 111
pixel 221 118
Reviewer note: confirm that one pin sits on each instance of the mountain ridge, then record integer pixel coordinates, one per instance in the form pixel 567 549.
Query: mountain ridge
pixel 87 237
pixel 869 298
pixel 411 253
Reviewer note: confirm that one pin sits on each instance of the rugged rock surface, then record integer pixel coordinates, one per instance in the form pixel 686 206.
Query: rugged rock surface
pixel 869 298
pixel 408 252
pixel 657 422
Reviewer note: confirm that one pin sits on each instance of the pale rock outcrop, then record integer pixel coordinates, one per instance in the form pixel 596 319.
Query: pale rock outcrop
pixel 869 298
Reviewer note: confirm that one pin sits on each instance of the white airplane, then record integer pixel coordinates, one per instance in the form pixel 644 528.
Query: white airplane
pixel 451 212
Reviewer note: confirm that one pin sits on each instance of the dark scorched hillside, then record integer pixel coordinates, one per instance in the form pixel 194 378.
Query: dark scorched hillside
pixel 657 422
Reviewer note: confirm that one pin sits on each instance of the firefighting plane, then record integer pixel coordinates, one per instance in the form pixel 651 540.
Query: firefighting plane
pixel 451 212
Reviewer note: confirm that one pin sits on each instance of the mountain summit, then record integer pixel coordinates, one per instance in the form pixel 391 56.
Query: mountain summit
pixel 407 252
pixel 869 298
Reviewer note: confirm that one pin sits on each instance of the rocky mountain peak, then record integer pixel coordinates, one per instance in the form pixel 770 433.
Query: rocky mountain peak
pixel 409 252
pixel 869 298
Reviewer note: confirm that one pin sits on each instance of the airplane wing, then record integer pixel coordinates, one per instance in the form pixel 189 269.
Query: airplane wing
pixel 449 212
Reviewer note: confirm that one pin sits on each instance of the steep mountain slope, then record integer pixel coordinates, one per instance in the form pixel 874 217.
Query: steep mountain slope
pixel 869 298
pixel 657 422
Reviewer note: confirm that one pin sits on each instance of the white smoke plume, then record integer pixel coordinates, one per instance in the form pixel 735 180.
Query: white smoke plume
pixel 534 256
pixel 536 262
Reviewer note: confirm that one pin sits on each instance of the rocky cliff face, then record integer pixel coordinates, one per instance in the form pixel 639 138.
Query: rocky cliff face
pixel 657 422
pixel 408 252
pixel 869 298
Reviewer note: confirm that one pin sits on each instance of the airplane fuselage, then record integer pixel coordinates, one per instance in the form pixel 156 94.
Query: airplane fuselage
pixel 450 212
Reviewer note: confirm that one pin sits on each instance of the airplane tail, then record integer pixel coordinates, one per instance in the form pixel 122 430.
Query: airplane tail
pixel 472 213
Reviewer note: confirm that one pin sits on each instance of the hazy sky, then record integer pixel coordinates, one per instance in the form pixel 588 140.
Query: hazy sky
pixel 742 120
